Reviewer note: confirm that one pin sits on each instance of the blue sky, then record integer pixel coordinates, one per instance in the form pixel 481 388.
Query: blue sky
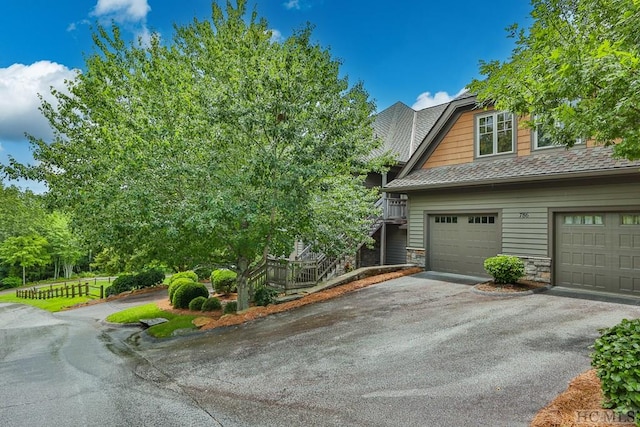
pixel 419 52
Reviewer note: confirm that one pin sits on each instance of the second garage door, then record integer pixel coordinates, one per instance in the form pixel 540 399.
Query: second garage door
pixel 599 251
pixel 460 243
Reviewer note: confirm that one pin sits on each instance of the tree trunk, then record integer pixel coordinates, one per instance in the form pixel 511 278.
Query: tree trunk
pixel 242 285
pixel 68 269
pixel 24 276
pixel 56 267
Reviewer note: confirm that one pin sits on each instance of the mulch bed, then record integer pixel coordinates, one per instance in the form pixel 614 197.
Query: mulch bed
pixel 579 406
pixel 519 286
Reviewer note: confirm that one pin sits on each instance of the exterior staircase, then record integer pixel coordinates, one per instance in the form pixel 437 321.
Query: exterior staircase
pixel 308 268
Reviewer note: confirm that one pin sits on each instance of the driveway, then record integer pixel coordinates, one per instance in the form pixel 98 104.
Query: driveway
pixel 411 351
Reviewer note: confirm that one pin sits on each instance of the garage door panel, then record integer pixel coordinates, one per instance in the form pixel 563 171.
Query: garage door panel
pixel 461 243
pixel 598 251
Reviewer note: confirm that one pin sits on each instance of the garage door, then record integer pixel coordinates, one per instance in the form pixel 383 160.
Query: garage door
pixel 598 251
pixel 460 243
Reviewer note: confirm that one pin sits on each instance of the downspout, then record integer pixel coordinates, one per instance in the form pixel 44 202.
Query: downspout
pixel 383 229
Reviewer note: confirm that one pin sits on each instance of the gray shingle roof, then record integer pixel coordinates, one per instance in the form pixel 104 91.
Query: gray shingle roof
pixel 548 165
pixel 394 126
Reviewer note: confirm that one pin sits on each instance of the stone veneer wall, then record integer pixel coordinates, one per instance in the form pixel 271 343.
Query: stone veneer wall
pixel 536 268
pixel 417 256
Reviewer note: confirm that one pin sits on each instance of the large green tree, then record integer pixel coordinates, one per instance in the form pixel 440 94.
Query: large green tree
pixel 21 212
pixel 575 72
pixel 64 246
pixel 25 251
pixel 221 144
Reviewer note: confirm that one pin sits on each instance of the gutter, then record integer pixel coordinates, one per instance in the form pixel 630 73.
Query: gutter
pixel 516 180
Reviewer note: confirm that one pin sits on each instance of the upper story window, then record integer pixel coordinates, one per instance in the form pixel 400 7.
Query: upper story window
pixel 542 140
pixel 494 133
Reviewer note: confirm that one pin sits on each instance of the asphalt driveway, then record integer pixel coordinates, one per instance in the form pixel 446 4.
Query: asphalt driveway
pixel 410 351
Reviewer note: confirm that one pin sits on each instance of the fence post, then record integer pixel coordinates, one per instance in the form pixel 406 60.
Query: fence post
pixel 86 288
pixel 101 291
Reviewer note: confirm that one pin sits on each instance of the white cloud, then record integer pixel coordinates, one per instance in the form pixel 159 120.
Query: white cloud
pixel 133 12
pixel 122 10
pixel 292 4
pixel 19 88
pixel 276 36
pixel 426 100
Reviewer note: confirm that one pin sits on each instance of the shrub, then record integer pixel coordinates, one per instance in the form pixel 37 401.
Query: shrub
pixel 187 293
pixel 231 307
pixel 124 283
pixel 504 268
pixel 264 295
pixel 148 278
pixel 616 358
pixel 196 303
pixel 203 273
pixel 10 282
pixel 211 304
pixel 184 274
pixel 176 284
pixel 224 281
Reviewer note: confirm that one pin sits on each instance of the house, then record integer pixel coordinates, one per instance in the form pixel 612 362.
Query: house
pixel 401 129
pixel 479 184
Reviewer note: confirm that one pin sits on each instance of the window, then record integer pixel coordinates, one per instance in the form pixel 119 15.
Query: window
pixel 494 133
pixel 583 220
pixel 446 219
pixel 630 219
pixel 487 219
pixel 540 140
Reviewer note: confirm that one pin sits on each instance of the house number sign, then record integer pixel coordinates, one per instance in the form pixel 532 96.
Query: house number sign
pixel 524 215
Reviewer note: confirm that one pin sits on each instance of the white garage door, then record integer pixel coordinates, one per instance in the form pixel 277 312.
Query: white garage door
pixel 460 243
pixel 598 251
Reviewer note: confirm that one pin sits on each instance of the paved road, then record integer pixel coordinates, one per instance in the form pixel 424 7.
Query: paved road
pixel 410 351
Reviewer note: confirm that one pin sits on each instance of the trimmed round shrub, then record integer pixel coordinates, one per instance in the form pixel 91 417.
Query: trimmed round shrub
pixel 504 268
pixel 224 281
pixel 184 274
pixel 148 278
pixel 196 303
pixel 211 304
pixel 176 284
pixel 264 295
pixel 616 359
pixel 231 307
pixel 187 293
pixel 124 283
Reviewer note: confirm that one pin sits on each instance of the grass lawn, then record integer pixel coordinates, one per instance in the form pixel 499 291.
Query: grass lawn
pixel 150 311
pixel 52 304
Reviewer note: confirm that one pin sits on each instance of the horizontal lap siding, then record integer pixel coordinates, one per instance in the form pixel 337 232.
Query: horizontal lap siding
pixel 524 234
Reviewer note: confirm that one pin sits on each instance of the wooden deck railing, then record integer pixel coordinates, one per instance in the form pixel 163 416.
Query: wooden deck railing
pixel 395 208
pixel 287 274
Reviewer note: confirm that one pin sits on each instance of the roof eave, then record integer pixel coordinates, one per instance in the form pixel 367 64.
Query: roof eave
pixel 516 180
